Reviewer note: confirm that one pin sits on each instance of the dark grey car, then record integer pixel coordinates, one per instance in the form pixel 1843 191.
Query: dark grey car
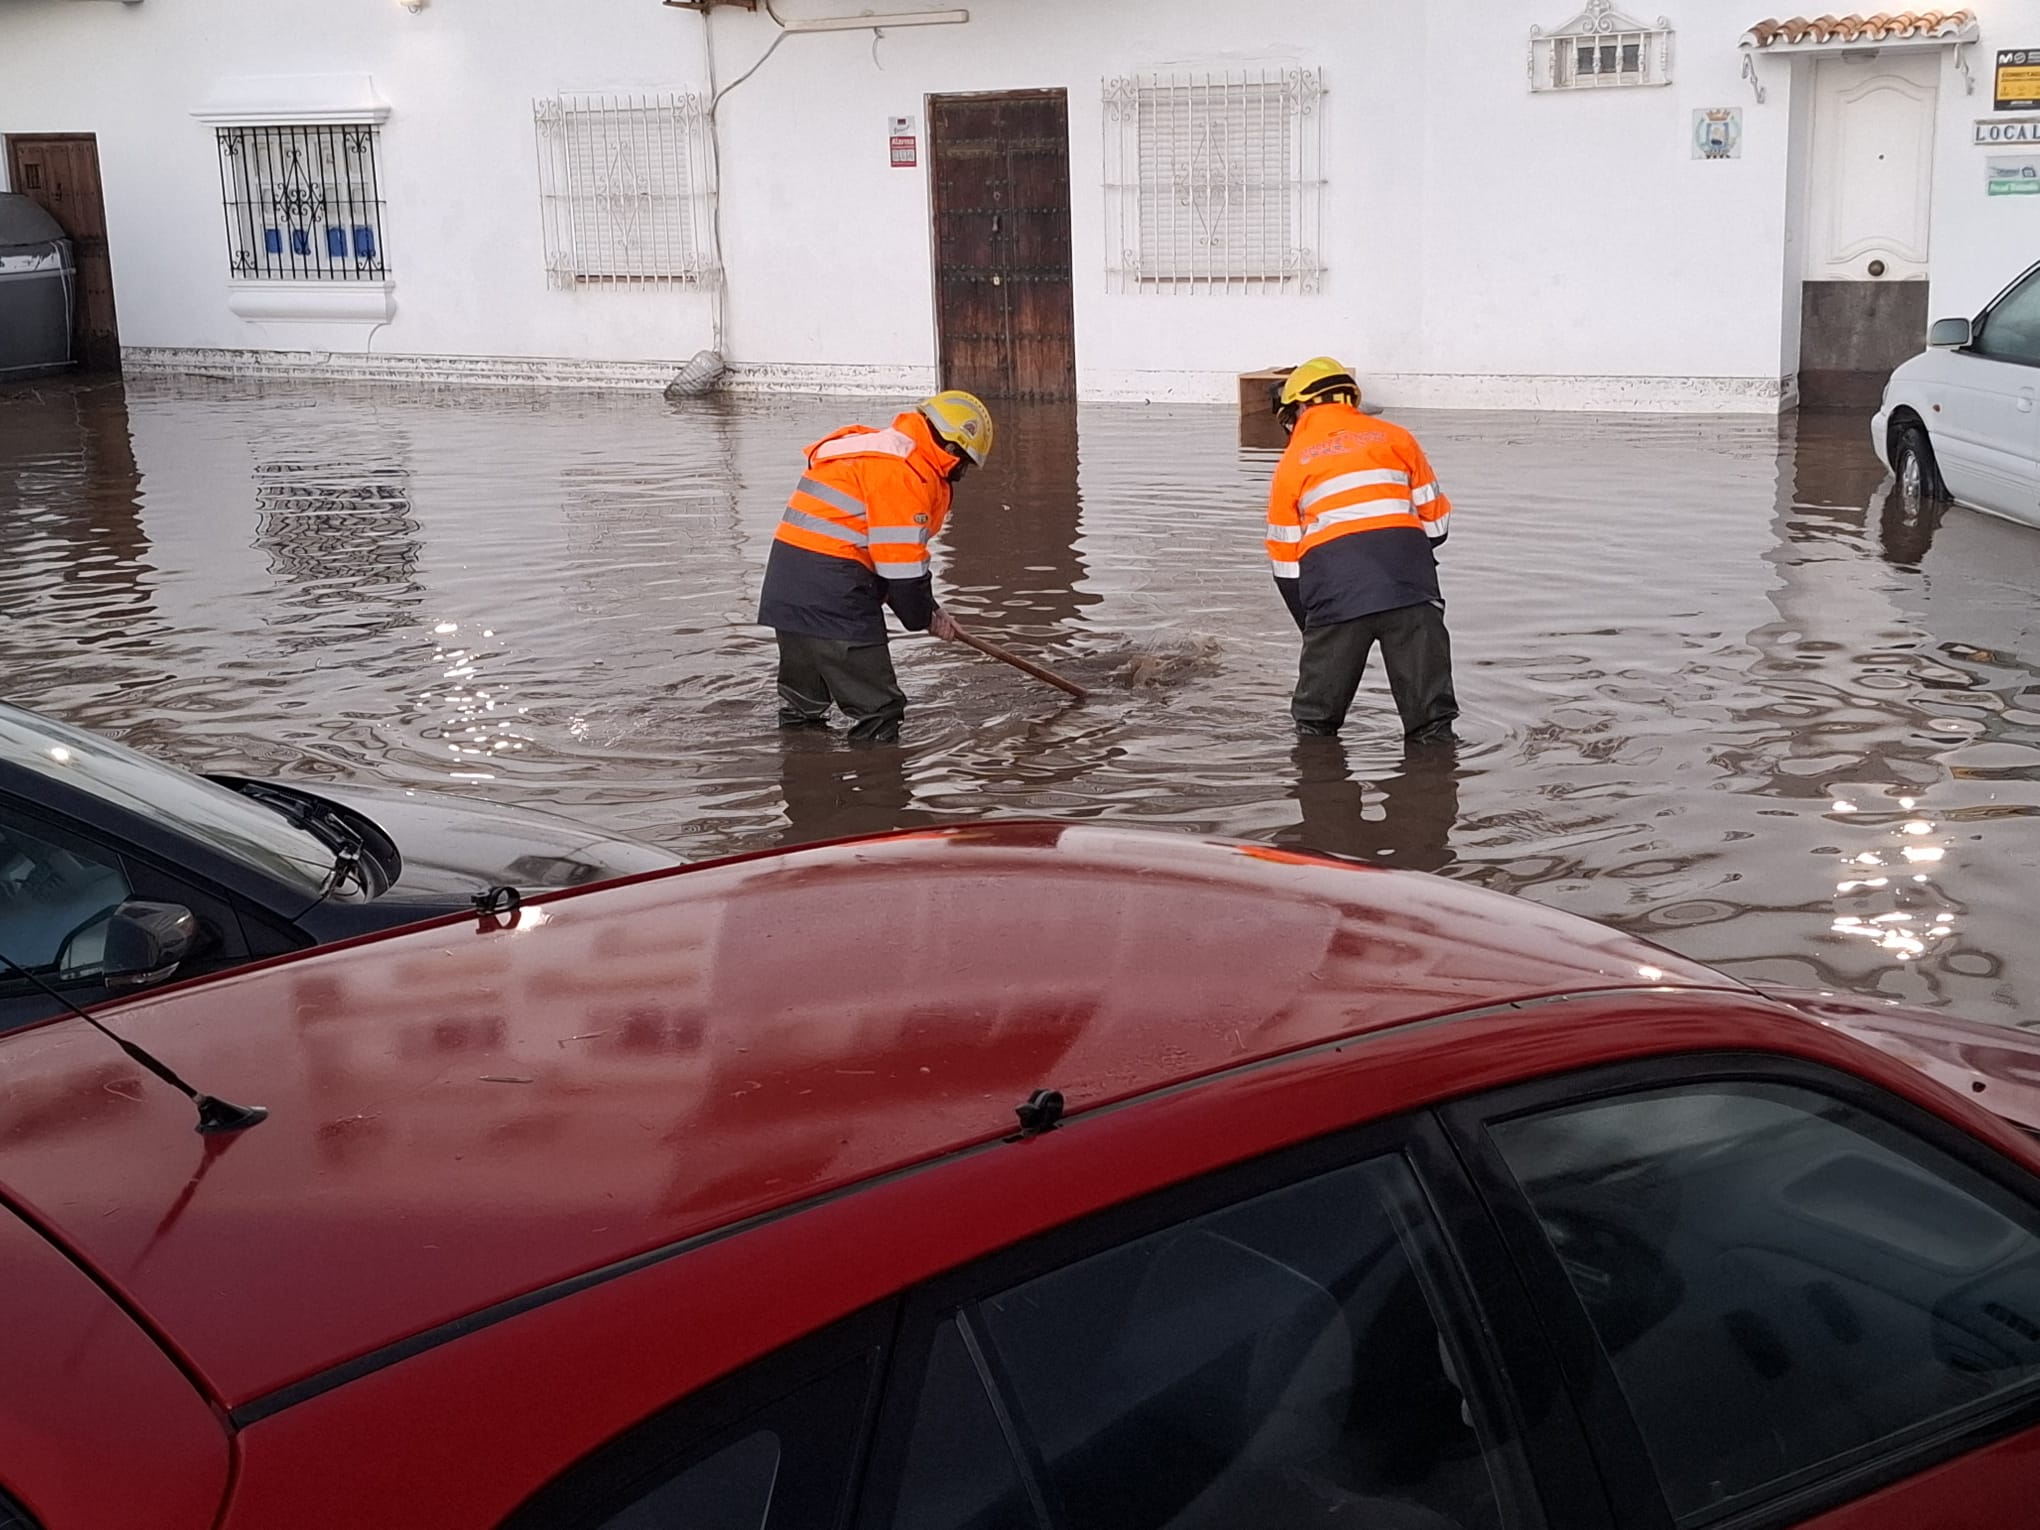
pixel 118 870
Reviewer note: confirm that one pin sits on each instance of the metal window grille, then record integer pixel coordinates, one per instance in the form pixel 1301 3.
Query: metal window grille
pixel 303 203
pixel 1213 182
pixel 624 188
pixel 1601 47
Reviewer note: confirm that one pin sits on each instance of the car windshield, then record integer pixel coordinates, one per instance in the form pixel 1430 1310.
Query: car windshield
pixel 223 820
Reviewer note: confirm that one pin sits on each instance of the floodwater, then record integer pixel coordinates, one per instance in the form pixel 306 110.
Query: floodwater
pixel 1720 689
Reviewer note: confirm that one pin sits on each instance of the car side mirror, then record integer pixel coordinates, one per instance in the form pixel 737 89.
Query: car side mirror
pixel 1951 332
pixel 131 945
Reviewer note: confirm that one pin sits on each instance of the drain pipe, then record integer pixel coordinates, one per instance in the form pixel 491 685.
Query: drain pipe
pixel 705 372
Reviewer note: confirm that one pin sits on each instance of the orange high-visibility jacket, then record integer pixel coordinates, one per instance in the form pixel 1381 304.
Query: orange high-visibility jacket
pixel 854 536
pixel 1353 514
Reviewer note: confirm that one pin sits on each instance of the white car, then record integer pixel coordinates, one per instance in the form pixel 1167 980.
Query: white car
pixel 1961 420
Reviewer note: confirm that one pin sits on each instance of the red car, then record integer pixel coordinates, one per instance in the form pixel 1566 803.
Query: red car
pixel 1011 1177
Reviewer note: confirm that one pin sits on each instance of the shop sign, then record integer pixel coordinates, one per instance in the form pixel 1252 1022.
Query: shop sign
pixel 2000 132
pixel 2018 80
pixel 2012 177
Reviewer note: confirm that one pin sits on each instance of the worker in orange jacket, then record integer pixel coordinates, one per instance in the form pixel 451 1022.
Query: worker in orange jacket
pixel 853 541
pixel 1354 514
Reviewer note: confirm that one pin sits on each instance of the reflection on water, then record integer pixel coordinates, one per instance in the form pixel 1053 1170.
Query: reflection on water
pixel 343 545
pixel 1722 687
pixel 1405 818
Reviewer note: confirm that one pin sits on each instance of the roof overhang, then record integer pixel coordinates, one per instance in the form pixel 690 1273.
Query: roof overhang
pixel 1854 33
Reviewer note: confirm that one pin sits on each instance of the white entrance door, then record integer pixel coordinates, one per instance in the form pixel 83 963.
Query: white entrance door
pixel 1872 170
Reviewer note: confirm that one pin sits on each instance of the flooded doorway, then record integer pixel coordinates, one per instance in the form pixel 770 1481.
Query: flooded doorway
pixel 1869 180
pixel 60 173
pixel 1004 302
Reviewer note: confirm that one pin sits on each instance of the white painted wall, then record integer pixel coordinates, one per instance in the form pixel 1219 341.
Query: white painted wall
pixel 1788 93
pixel 1486 245
pixel 1980 242
pixel 862 279
pixel 1574 233
pixel 457 156
pixel 1461 269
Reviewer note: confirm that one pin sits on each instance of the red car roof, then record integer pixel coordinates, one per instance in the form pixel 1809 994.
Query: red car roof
pixel 460 1115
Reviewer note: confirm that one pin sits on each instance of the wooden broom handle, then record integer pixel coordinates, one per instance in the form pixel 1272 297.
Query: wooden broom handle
pixel 1046 676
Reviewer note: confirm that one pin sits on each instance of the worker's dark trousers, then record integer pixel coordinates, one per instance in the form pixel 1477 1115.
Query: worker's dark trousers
pixel 1415 650
pixel 858 677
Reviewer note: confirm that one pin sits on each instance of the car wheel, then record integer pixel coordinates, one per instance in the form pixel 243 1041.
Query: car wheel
pixel 1912 459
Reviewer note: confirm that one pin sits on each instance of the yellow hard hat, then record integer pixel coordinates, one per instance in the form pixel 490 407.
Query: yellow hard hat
pixel 1314 381
pixel 962 421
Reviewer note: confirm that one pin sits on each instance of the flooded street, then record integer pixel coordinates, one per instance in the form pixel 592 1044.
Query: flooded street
pixel 1717 689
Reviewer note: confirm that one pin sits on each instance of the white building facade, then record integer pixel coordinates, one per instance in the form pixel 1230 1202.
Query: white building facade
pixel 1479 203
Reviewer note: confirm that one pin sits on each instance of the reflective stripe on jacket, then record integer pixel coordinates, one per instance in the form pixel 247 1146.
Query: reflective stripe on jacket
pixel 1353 514
pixel 854 535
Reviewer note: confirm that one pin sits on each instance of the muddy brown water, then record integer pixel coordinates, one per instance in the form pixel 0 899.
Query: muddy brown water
pixel 1720 688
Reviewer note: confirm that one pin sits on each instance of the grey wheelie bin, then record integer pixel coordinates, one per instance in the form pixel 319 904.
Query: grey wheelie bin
pixel 36 287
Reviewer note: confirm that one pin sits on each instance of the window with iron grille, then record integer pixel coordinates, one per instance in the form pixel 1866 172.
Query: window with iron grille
pixel 624 188
pixel 1213 181
pixel 303 203
pixel 1601 47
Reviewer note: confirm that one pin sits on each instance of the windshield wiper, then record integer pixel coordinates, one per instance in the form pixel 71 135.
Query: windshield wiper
pixel 324 825
pixel 347 858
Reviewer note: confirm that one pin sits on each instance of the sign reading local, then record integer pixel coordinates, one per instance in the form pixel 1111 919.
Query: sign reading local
pixel 2018 80
pixel 2002 132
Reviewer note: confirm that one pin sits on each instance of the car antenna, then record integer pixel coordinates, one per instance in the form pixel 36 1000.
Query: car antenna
pixel 214 1113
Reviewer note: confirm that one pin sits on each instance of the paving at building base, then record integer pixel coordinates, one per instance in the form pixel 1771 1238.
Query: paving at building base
pixel 1721 687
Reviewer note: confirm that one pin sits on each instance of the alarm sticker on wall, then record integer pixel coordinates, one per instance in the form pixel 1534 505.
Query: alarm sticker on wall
pixel 905 148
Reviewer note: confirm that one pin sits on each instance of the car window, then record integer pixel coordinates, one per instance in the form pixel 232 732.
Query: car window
pixel 731 1490
pixel 1279 1362
pixel 2011 330
pixel 50 886
pixel 771 1448
pixel 1778 1278
pixel 228 822
pixel 959 1472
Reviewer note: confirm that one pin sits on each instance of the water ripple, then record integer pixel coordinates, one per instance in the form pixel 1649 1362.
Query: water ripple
pixel 1720 688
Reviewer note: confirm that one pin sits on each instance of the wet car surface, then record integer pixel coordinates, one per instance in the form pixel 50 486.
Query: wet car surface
pixel 1276 1188
pixel 1721 689
pixel 120 871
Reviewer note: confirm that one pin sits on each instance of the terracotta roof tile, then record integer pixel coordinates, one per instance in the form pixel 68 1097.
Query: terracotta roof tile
pixel 1885 26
